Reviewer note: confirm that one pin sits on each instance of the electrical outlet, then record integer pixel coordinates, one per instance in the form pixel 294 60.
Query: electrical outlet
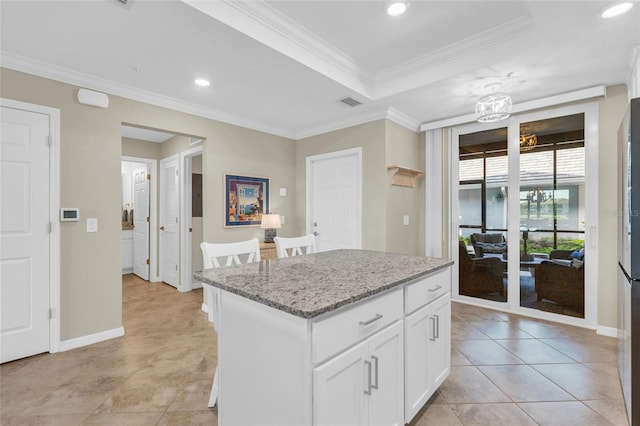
pixel 281 219
pixel 405 220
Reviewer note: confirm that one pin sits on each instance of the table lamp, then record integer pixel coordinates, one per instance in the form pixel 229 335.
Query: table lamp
pixel 270 222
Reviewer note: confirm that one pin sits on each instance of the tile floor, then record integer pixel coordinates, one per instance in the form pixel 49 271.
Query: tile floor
pixel 506 370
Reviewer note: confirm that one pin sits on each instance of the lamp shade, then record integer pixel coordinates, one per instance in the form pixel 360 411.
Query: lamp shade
pixel 494 107
pixel 270 221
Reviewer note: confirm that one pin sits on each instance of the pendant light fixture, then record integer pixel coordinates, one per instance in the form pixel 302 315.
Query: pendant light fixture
pixel 493 107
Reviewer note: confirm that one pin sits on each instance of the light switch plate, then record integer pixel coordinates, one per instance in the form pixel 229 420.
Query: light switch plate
pixel 281 219
pixel 283 192
pixel 406 219
pixel 92 224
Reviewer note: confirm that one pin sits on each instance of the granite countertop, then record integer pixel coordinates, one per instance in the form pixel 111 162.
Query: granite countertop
pixel 310 285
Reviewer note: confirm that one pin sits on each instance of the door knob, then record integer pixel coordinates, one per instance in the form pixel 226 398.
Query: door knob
pixel 162 228
pixel 315 233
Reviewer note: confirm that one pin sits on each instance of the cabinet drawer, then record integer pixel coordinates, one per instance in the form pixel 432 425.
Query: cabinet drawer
pixel 426 289
pixel 331 335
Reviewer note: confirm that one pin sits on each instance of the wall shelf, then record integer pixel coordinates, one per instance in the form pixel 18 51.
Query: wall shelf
pixel 403 176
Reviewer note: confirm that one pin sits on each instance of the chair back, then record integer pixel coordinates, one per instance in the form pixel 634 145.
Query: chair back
pixel 211 252
pixel 295 245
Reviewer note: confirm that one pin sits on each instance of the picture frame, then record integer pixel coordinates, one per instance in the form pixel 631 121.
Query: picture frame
pixel 246 199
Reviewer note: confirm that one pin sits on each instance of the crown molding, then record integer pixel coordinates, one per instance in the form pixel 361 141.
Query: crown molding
pixel 65 75
pixel 403 120
pixel 361 118
pixel 269 26
pixel 433 66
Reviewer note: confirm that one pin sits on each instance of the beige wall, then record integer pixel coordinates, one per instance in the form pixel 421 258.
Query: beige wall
pixel 612 109
pixel 403 148
pixel 140 149
pixel 371 137
pixel 384 205
pixel 91 150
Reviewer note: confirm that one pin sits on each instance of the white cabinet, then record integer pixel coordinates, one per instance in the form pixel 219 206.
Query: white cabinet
pixel 339 389
pixel 363 385
pixel 427 354
pixel 373 362
pixel 127 251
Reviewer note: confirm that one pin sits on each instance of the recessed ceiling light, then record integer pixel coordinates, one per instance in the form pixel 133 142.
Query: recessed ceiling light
pixel 617 10
pixel 397 8
pixel 202 82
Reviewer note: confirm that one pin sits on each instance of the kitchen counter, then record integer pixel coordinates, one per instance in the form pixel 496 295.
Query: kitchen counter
pixel 308 286
pixel 338 337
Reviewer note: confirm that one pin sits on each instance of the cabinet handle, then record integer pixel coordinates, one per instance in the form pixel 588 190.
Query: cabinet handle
pixel 368 391
pixel 433 328
pixel 435 289
pixel 376 318
pixel 437 326
pixel 375 370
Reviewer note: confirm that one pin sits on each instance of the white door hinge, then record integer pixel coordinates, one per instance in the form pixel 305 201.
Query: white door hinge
pixel 50 313
pixel 50 227
pixel 50 141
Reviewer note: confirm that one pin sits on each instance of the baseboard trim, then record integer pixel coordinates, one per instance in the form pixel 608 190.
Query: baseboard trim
pixel 90 339
pixel 607 331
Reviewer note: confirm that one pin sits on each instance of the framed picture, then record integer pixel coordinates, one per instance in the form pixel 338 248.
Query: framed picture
pixel 246 199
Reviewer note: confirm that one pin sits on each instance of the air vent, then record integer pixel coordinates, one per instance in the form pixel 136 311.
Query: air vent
pixel 350 101
pixel 126 3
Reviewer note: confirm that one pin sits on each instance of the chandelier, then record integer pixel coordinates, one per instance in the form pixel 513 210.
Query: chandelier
pixel 493 107
pixel 527 142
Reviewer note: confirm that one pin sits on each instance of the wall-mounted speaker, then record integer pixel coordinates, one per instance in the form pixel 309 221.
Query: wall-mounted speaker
pixel 96 99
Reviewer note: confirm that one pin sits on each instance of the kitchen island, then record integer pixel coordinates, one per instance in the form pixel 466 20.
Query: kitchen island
pixel 339 337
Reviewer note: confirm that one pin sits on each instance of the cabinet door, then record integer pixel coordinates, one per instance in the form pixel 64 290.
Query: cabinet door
pixel 386 403
pixel 339 388
pixel 419 328
pixel 440 348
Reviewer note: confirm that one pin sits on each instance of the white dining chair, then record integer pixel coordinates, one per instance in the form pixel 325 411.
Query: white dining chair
pixel 233 254
pixel 294 245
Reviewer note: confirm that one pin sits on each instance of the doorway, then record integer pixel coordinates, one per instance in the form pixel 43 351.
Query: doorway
pixel 524 196
pixel 170 157
pixel 192 222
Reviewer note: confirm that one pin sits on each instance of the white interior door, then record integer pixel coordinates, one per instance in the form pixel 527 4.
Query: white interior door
pixel 169 221
pixel 141 221
pixel 334 199
pixel 24 234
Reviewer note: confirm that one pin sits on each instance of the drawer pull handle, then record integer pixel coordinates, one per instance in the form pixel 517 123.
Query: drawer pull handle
pixel 375 370
pixel 437 326
pixel 368 391
pixel 433 329
pixel 374 319
pixel 435 289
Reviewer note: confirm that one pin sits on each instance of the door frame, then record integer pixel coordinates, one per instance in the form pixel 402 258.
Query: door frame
pixel 154 275
pixel 591 124
pixel 54 208
pixel 186 278
pixel 326 156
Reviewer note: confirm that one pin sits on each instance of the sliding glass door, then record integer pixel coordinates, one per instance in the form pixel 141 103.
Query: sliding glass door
pixel 552 215
pixel 526 253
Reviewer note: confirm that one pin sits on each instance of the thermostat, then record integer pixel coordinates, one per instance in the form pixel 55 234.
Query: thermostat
pixel 69 214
